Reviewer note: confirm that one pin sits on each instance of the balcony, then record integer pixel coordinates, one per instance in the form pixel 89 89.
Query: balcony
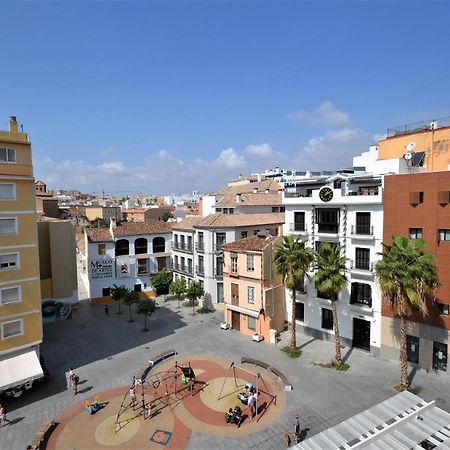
pixel 298 228
pixel 361 267
pixel 218 272
pixel 200 271
pixel 181 247
pixel 218 247
pixel 200 247
pixel 328 228
pixel 362 232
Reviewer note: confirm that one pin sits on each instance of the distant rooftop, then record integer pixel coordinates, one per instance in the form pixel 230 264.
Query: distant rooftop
pixel 416 127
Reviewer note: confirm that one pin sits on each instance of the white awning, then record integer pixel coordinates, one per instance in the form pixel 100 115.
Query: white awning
pixel 248 312
pixel 20 369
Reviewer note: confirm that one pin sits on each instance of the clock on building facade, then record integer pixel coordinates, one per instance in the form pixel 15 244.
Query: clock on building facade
pixel 326 194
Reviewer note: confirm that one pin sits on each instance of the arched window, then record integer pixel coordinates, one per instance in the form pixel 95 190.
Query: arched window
pixel 159 245
pixel 122 247
pixel 140 246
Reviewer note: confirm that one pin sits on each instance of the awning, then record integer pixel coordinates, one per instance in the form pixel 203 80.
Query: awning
pixel 248 312
pixel 20 369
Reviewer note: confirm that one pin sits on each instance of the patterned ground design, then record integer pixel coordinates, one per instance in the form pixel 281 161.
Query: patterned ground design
pixel 202 412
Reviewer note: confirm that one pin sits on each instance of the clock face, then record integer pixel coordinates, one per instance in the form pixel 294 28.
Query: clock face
pixel 326 194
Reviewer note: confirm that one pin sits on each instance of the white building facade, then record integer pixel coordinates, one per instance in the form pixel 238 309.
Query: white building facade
pixel 128 255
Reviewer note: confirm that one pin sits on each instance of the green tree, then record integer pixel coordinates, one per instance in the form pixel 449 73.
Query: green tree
pixel 146 307
pixel 161 282
pixel 118 293
pixel 130 299
pixel 166 216
pixel 291 261
pixel 98 222
pixel 330 279
pixel 178 287
pixel 194 292
pixel 408 279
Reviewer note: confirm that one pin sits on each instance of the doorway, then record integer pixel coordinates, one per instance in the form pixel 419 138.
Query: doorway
pixel 235 320
pixel 361 334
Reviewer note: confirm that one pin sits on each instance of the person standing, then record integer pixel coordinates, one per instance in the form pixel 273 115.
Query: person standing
pixel 3 417
pixel 133 396
pixel 69 374
pixel 106 310
pixel 75 380
pixel 297 428
pixel 251 401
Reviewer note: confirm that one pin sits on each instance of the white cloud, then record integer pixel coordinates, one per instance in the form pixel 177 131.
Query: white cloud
pixel 113 167
pixel 230 159
pixel 259 150
pixel 326 114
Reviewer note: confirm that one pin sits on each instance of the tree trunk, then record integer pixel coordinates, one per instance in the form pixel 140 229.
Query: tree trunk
pixel 145 322
pixel 403 355
pixel 337 337
pixel 193 306
pixel 131 319
pixel 293 325
pixel 119 312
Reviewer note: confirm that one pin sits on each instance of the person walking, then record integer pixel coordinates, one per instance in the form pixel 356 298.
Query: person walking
pixel 69 374
pixel 75 380
pixel 297 428
pixel 106 310
pixel 133 396
pixel 3 417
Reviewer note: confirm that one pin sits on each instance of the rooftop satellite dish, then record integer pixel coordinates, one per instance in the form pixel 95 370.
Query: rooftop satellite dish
pixel 408 156
pixel 410 147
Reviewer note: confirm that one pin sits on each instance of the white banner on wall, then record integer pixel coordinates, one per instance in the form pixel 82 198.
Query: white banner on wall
pixel 101 268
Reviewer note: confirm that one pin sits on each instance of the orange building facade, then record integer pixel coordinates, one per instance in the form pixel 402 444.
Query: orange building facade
pixel 254 296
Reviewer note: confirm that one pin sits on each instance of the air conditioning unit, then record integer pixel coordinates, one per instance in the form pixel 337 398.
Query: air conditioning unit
pixel 258 337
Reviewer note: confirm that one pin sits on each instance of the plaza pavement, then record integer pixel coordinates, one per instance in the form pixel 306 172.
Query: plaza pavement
pixel 106 351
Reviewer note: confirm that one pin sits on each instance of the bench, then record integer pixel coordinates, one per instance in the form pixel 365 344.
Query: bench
pixel 274 370
pixel 155 360
pixel 255 362
pixel 43 433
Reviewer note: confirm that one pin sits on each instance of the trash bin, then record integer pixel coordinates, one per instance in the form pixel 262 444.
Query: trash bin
pixel 273 336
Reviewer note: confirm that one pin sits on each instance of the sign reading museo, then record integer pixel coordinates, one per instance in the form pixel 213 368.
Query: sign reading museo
pixel 102 268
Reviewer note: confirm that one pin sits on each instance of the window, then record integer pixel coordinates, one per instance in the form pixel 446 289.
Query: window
pixel 443 197
pixel 10 295
pixel 189 266
pixel 7 191
pixel 415 198
pixel 138 287
pixel 200 242
pixel 300 311
pixel 368 190
pixel 412 343
pixel 327 220
pixel 9 261
pixel 327 319
pixel 420 197
pixel 275 209
pixel 439 356
pixel 122 247
pixel 225 210
pixel 282 208
pixel 8 225
pixel 443 309
pixel 415 233
pixel 8 155
pixel 361 294
pixel 250 263
pixel 362 259
pixel 218 210
pixel 142 266
pixel 221 238
pixel 140 246
pixel 235 294
pixel 101 248
pixel 175 236
pixel 200 263
pixel 231 211
pixel 106 292
pixel 234 262
pixel 159 245
pixel 255 232
pixel 363 223
pixel 251 323
pixel 182 264
pixel 299 221
pixel 251 294
pixel 219 266
pixel 189 243
pixel 182 241
pixel 301 286
pixel 11 329
pixel 444 235
pixel 243 234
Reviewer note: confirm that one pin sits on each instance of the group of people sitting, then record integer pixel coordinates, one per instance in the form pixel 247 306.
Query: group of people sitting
pixel 234 415
pixel 249 397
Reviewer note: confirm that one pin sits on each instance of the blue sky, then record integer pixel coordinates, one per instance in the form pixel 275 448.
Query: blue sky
pixel 170 96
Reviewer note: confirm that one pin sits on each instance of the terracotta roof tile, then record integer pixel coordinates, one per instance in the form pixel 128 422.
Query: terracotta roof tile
pixel 240 220
pixel 252 243
pixel 252 199
pixel 98 235
pixel 249 187
pixel 187 223
pixel 136 228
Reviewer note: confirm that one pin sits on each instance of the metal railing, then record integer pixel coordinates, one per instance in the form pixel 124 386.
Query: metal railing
pixel 298 228
pixel 200 247
pixel 200 271
pixel 364 230
pixel 296 194
pixel 425 125
pixel 328 228
pixel 182 247
pixel 361 264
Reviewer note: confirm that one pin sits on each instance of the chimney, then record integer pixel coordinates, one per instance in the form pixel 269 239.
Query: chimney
pixel 255 190
pixel 13 125
pixel 238 198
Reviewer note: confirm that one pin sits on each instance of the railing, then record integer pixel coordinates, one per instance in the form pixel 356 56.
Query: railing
pixel 297 194
pixel 361 264
pixel 415 127
pixel 328 228
pixel 372 191
pixel 200 247
pixel 218 272
pixel 298 228
pixel 218 246
pixel 200 271
pixel 365 230
pixel 182 269
pixel 361 301
pixel 182 247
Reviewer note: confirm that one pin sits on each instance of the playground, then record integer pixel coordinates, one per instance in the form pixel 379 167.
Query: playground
pixel 178 396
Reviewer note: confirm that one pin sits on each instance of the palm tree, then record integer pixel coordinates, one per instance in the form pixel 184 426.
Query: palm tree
pixel 408 279
pixel 291 261
pixel 118 293
pixel 130 299
pixel 147 307
pixel 330 279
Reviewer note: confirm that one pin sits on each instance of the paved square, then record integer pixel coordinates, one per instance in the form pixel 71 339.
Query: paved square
pixel 106 351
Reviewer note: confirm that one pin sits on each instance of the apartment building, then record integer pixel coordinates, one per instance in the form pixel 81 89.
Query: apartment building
pixel 128 254
pixel 107 213
pixel 254 294
pixel 20 295
pixel 45 202
pixel 198 241
pixel 344 208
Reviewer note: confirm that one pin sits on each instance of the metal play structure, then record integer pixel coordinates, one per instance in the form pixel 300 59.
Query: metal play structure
pixel 259 381
pixel 160 390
